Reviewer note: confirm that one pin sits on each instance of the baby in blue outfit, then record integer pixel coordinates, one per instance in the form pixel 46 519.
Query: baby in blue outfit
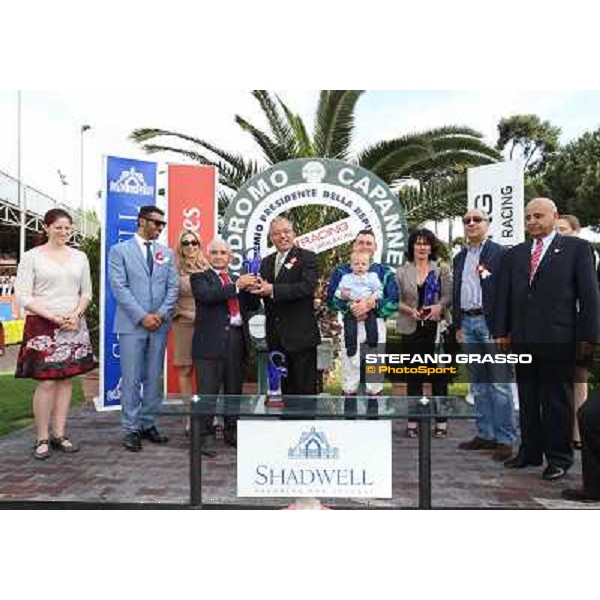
pixel 358 285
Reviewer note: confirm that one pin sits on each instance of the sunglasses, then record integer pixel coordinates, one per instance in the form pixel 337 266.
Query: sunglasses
pixel 157 222
pixel 190 243
pixel 468 220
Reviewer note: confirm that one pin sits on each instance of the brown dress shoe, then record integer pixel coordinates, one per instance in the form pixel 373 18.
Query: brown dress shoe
pixel 502 452
pixel 477 443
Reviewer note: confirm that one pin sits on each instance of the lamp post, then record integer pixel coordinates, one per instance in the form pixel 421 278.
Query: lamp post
pixel 21 197
pixel 82 131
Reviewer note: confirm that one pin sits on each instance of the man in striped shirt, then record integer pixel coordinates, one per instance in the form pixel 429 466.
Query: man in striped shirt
pixel 475 276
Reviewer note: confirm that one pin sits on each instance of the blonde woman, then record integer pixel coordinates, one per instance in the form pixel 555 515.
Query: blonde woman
pixel 190 259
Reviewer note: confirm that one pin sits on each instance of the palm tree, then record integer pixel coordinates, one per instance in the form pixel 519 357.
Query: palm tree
pixel 434 201
pixel 429 157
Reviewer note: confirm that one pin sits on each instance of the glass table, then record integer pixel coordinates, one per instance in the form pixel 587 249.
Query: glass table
pixel 421 409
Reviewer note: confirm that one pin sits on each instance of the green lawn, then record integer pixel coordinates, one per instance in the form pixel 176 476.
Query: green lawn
pixel 15 401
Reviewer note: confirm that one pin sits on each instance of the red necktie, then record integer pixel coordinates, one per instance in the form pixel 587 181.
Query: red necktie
pixel 535 258
pixel 232 303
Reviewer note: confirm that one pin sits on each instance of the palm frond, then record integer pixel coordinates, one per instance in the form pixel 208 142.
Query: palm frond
pixel 444 164
pixel 272 151
pixel 231 176
pixel 237 161
pixel 370 156
pixel 434 201
pixel 143 134
pixel 191 154
pixel 304 145
pixel 335 122
pixel 281 130
pixel 223 200
pixel 388 159
pixel 448 130
pixel 465 144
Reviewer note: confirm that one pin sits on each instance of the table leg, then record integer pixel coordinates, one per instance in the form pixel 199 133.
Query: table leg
pixel 196 461
pixel 425 463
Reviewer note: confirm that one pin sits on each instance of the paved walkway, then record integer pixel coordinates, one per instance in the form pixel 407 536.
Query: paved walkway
pixel 104 472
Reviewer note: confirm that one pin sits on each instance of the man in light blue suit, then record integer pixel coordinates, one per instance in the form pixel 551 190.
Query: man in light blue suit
pixel 144 282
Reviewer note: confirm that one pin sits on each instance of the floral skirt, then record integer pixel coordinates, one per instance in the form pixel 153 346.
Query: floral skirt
pixel 48 352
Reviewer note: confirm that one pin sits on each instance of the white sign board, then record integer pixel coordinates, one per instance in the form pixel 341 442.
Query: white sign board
pixel 343 459
pixel 330 236
pixel 498 190
pixel 358 194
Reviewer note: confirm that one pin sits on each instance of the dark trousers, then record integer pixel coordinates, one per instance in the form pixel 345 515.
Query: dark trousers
pixel 351 331
pixel 2 340
pixel 546 410
pixel 588 417
pixel 422 341
pixel 301 380
pixel 226 374
pixel 302 373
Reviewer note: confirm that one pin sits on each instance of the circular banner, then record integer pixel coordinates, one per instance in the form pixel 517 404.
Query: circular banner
pixel 365 198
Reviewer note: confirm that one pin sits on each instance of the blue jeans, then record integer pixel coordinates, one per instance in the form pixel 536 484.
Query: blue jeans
pixel 493 401
pixel 142 359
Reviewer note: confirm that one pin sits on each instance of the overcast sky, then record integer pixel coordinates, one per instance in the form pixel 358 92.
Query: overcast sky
pixel 51 123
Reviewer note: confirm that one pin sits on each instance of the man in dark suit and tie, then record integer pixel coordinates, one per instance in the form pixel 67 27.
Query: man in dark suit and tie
pixel 288 279
pixel 220 331
pixel 548 306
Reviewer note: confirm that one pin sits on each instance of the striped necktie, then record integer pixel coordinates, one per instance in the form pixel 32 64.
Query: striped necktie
pixel 233 304
pixel 535 258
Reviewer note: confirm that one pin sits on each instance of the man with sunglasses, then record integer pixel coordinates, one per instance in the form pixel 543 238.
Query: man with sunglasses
pixel 476 269
pixel 145 284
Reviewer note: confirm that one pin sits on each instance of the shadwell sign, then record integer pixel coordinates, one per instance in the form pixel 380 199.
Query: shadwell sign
pixel 344 459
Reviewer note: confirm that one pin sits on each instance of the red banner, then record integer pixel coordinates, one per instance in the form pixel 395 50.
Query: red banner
pixel 192 205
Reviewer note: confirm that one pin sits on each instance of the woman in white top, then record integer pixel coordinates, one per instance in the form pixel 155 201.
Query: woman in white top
pixel 54 286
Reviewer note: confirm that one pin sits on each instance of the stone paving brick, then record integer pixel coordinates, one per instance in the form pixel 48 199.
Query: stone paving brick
pixel 104 472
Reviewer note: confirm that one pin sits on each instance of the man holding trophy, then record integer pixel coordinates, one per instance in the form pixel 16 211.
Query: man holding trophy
pixel 221 330
pixel 286 283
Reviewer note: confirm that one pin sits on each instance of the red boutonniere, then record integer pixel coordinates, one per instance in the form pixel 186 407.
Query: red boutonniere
pixel 290 263
pixel 482 271
pixel 160 258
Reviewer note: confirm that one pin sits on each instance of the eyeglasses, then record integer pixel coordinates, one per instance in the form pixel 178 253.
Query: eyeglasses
pixel 157 222
pixel 190 243
pixel 468 220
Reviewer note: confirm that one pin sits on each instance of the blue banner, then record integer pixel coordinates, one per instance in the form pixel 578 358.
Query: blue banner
pixel 130 184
